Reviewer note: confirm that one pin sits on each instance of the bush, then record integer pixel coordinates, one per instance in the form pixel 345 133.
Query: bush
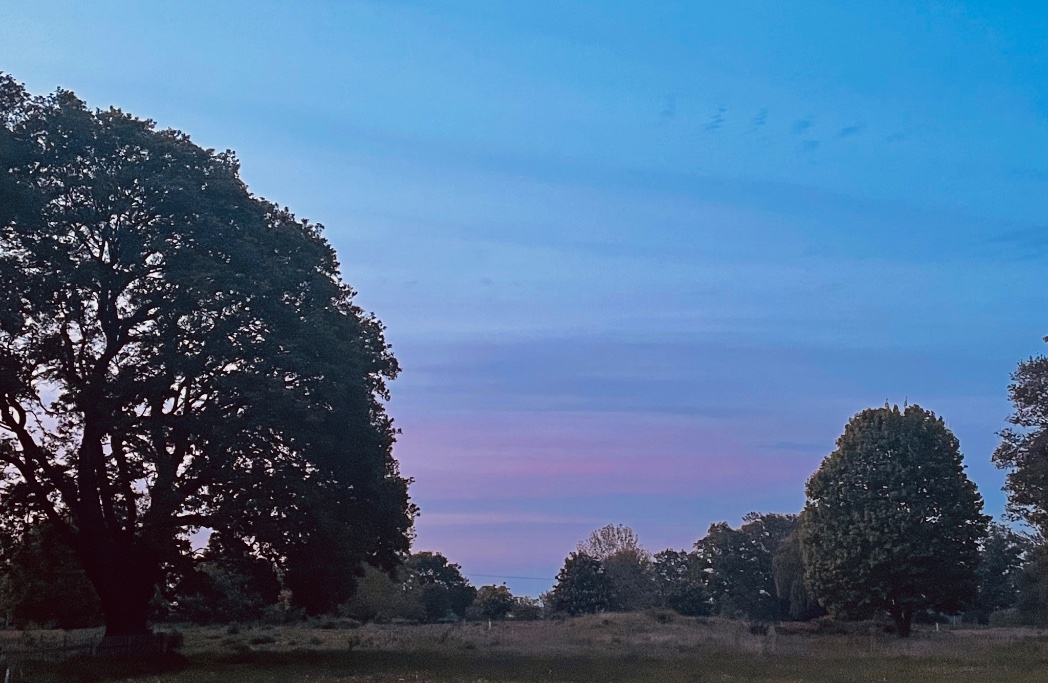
pixel 526 609
pixel 661 616
pixel 381 599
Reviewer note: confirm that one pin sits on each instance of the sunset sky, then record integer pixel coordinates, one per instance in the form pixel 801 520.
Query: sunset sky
pixel 640 261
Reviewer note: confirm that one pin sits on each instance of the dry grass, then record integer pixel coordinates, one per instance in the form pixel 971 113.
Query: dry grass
pixel 609 649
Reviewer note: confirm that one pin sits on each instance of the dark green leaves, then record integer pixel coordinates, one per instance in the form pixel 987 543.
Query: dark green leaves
pixel 177 353
pixel 892 522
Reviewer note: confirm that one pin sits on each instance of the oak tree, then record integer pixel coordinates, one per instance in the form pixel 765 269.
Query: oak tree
pixel 177 354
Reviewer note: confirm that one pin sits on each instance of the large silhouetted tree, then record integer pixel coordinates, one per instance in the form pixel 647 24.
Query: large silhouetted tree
pixel 176 353
pixel 892 522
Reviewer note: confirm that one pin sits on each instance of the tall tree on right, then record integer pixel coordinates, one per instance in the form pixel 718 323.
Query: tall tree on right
pixel 892 522
pixel 1023 450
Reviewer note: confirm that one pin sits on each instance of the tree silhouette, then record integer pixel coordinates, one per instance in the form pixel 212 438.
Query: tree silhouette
pixel 177 354
pixel 892 522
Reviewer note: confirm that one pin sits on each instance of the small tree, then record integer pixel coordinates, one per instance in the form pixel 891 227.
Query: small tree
pixel 740 580
pixel 443 590
pixel 626 563
pixel 611 539
pixel 494 602
pixel 582 587
pixel 795 600
pixel 1000 571
pixel 526 608
pixel 229 583
pixel 892 522
pixel 680 582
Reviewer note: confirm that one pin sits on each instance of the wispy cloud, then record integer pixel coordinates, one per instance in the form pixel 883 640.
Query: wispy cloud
pixel 487 518
pixel 851 130
pixel 760 119
pixel 801 126
pixel 717 120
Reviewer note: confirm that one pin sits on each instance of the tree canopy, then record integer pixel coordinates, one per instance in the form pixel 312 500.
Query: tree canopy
pixel 612 539
pixel 582 587
pixel 444 591
pixel 680 580
pixel 1006 560
pixel 42 583
pixel 892 522
pixel 740 580
pixel 1023 449
pixel 177 353
pixel 626 563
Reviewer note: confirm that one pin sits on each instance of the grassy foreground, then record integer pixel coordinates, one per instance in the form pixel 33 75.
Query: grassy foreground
pixel 608 649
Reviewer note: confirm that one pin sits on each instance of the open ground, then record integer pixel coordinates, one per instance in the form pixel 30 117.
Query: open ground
pixel 651 646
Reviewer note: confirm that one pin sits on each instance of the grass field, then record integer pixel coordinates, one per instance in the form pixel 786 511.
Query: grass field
pixel 606 649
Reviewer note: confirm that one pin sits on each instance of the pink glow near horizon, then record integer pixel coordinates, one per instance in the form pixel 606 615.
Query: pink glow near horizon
pixel 583 453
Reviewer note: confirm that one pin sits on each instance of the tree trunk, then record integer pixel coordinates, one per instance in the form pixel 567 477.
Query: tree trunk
pixel 125 576
pixel 903 618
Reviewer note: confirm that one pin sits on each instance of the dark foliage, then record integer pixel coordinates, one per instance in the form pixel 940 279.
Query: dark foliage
pixel 494 602
pixel 740 583
pixel 680 583
pixel 582 587
pixel 1023 450
pixel 230 583
pixel 44 585
pixel 892 522
pixel 444 592
pixel 1001 570
pixel 176 353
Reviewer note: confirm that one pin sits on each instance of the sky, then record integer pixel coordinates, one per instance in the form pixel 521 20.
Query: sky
pixel 640 261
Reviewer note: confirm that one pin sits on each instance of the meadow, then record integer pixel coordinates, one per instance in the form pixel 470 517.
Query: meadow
pixel 651 646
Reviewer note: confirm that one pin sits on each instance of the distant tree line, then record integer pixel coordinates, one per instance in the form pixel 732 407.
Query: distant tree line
pixel 756 573
pixel 892 526
pixel 42 585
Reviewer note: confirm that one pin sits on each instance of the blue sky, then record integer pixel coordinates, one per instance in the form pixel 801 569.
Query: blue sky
pixel 640 261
